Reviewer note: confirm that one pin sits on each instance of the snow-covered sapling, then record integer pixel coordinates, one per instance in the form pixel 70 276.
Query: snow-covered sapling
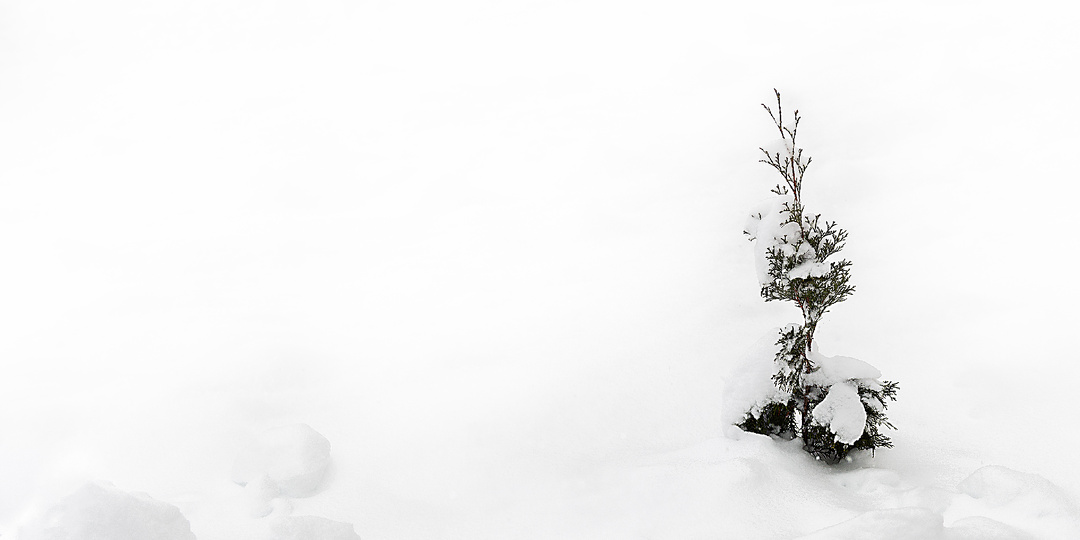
pixel 834 404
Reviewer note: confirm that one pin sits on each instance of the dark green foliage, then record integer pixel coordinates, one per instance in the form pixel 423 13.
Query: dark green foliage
pixel 776 419
pixel 799 271
pixel 822 444
pixel 875 416
pixel 791 356
pixel 819 442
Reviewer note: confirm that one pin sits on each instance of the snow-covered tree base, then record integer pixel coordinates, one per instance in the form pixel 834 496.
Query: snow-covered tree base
pixel 840 408
pixel 775 418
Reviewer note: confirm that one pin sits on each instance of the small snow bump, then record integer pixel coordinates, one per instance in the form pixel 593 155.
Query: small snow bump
pixel 293 458
pixel 103 512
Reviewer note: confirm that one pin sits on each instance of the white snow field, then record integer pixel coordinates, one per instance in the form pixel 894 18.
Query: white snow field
pixel 474 270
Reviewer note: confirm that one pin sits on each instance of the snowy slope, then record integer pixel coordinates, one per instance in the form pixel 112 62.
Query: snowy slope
pixel 491 252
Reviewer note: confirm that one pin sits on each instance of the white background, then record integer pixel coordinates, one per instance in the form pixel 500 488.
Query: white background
pixel 486 247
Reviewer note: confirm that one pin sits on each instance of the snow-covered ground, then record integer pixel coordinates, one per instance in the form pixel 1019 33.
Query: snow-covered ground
pixel 492 252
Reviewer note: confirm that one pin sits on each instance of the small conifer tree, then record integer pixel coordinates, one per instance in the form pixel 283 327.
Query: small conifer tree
pixel 834 405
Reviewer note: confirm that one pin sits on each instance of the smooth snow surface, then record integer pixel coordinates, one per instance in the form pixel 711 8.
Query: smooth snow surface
pixel 313 528
pixel 492 253
pixel 892 524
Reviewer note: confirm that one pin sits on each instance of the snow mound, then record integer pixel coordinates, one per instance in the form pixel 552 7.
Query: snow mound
pixel 290 460
pixel 768 227
pixel 809 269
pixel 103 512
pixel 998 487
pixel 313 528
pixel 842 410
pixel 833 369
